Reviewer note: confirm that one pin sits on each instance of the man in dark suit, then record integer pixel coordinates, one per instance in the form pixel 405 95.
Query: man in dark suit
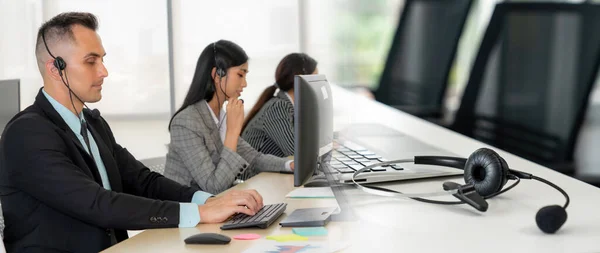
pixel 65 183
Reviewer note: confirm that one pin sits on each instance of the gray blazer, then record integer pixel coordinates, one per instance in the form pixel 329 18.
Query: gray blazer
pixel 198 158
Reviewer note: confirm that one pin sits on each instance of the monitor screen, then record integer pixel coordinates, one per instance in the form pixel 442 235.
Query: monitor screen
pixel 9 101
pixel 313 125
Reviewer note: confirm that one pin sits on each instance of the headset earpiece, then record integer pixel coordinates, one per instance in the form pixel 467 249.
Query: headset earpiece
pixel 60 64
pixel 220 72
pixel 487 171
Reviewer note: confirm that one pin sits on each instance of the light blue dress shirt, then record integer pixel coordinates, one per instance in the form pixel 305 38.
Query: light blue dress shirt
pixel 188 212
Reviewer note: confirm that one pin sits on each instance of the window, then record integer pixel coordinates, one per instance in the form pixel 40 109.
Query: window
pixel 267 30
pixel 135 42
pixel 351 39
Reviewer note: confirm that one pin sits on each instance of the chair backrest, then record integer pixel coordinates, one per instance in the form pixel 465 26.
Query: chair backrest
pixel 422 52
pixel 2 225
pixel 9 101
pixel 528 90
pixel 156 164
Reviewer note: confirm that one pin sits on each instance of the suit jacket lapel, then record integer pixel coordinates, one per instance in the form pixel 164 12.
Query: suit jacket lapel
pixel 52 115
pixel 114 177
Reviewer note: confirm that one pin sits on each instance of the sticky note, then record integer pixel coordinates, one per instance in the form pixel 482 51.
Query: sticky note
pixel 285 238
pixel 246 237
pixel 310 231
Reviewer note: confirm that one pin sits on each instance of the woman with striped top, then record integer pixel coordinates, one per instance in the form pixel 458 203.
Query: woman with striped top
pixel 269 127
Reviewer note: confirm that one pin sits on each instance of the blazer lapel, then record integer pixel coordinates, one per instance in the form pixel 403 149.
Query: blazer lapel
pixel 52 115
pixel 114 177
pixel 208 120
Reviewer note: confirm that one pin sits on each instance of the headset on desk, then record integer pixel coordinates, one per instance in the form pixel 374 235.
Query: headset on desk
pixel 485 175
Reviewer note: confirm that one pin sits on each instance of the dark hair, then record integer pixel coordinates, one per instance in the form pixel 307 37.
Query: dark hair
pixel 60 27
pixel 291 65
pixel 222 53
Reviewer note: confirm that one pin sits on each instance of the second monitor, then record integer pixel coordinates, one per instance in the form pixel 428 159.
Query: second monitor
pixel 313 125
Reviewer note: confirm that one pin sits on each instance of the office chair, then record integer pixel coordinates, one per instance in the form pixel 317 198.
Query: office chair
pixel 2 224
pixel 10 103
pixel 156 164
pixel 415 76
pixel 529 86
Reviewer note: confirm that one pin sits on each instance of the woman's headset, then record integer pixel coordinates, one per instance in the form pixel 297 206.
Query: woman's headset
pixel 485 174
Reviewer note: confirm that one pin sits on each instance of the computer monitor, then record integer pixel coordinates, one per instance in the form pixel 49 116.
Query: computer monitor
pixel 10 104
pixel 313 125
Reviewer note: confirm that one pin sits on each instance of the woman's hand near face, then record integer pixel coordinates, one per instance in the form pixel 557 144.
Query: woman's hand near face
pixel 235 120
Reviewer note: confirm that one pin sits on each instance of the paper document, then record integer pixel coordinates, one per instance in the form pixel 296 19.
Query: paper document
pixel 311 192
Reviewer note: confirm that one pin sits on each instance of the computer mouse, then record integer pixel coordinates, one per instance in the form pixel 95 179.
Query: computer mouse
pixel 208 238
pixel 317 183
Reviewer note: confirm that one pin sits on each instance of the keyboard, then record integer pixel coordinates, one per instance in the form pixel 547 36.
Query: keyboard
pixel 262 219
pixel 348 157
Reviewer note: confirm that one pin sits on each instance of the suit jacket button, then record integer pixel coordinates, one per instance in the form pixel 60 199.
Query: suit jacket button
pixel 159 219
pixel 165 219
pixel 152 219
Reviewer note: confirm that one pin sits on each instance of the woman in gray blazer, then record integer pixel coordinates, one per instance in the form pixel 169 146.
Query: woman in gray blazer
pixel 269 127
pixel 205 150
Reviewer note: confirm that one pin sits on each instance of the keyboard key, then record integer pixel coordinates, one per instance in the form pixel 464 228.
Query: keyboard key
pixel 355 156
pixel 378 169
pixel 356 166
pixel 349 153
pixel 344 159
pixel 372 157
pixel 397 167
pixel 366 153
pixel 367 163
pixel 362 160
pixel 345 170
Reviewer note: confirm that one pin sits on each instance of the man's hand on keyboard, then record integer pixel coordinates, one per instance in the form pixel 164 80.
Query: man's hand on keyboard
pixel 218 209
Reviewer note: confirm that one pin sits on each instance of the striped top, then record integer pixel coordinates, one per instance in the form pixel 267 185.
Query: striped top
pixel 271 131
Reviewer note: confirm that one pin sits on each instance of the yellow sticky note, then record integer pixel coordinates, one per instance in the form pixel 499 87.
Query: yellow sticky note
pixel 285 238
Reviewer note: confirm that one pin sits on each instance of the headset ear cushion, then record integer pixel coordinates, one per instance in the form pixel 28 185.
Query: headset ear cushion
pixel 487 171
pixel 59 63
pixel 220 72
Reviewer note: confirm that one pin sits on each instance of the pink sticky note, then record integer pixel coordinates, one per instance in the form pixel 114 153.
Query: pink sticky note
pixel 246 237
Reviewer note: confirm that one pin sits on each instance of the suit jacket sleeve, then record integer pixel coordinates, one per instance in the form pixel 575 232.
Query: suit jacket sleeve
pixel 139 180
pixel 40 166
pixel 190 144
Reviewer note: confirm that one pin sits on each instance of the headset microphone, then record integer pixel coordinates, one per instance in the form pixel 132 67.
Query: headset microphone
pixel 95 113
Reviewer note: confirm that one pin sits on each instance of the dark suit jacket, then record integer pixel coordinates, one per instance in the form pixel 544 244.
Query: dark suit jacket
pixel 51 191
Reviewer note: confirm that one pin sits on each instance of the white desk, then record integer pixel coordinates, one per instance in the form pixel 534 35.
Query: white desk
pixel 408 226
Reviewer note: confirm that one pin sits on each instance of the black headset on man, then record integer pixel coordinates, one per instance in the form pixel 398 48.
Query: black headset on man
pixel 485 174
pixel 61 65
